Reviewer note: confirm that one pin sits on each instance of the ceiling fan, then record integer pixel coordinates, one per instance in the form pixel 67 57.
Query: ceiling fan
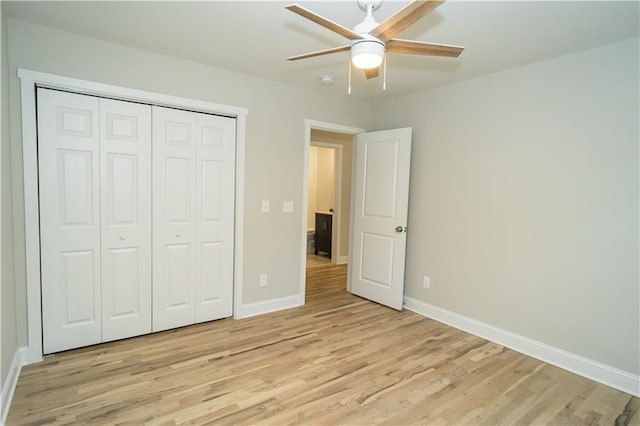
pixel 371 40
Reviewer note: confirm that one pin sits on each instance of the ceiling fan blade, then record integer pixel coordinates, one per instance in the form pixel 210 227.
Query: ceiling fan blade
pixel 336 28
pixel 319 53
pixel 405 17
pixel 409 47
pixel 371 73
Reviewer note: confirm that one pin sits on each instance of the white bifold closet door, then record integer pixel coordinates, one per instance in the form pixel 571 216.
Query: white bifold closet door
pixel 125 194
pixel 193 220
pixel 94 160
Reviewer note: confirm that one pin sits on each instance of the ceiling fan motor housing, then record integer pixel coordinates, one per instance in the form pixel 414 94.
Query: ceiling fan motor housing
pixel 368 51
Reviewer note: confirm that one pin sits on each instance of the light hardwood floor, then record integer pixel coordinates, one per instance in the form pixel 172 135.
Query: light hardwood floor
pixel 338 360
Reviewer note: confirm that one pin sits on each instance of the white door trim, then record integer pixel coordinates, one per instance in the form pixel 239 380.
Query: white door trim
pixel 337 197
pixel 318 125
pixel 28 81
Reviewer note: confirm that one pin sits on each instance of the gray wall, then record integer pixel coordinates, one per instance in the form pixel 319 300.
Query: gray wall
pixel 8 328
pixel 524 200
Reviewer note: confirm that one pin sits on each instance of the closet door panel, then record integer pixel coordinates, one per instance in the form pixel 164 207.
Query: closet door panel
pixel 178 192
pixel 215 216
pixel 178 287
pixel 211 275
pixel 125 157
pixel 121 296
pixel 174 194
pixel 68 161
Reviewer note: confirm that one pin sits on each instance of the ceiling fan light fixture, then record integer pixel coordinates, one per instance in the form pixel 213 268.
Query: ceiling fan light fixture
pixel 367 54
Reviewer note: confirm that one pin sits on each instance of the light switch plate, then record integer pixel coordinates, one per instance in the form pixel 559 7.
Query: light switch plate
pixel 265 206
pixel 287 206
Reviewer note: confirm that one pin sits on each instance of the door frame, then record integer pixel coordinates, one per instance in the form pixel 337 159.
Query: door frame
pixel 317 125
pixel 28 81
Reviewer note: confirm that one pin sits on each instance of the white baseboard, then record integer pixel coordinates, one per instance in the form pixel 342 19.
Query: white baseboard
pixel 19 359
pixel 594 370
pixel 341 260
pixel 259 308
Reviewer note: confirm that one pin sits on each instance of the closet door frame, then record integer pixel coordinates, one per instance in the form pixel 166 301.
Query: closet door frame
pixel 29 80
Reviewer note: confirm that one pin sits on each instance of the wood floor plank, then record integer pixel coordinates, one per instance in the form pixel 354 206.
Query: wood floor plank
pixel 337 360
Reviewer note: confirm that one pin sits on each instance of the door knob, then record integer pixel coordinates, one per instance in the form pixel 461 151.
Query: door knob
pixel 399 228
pixel 123 237
pixel 178 234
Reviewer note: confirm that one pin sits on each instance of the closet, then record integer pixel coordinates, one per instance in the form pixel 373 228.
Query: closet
pixel 136 218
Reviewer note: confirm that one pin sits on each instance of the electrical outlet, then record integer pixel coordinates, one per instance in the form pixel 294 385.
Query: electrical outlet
pixel 426 282
pixel 265 206
pixel 263 280
pixel 287 206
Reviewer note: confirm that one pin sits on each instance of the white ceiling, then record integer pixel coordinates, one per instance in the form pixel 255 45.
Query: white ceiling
pixel 254 37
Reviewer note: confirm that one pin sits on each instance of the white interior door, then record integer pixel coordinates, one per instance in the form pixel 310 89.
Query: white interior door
pixel 379 207
pixel 69 186
pixel 174 196
pixel 215 155
pixel 125 169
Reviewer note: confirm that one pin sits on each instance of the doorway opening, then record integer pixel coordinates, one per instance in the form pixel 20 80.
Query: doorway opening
pixel 325 166
pixel 327 195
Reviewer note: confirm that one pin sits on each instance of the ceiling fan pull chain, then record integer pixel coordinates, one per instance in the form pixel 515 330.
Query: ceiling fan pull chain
pixel 384 73
pixel 349 86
